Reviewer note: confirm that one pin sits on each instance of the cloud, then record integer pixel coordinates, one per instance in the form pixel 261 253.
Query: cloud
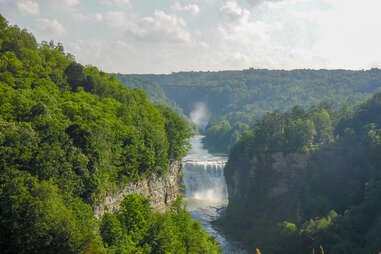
pixel 257 2
pixel 107 54
pixel 133 36
pixel 59 5
pixel 28 7
pixel 161 27
pixel 233 12
pixel 99 17
pixel 72 3
pixel 275 34
pixel 116 19
pixel 273 38
pixel 345 32
pixel 194 9
pixel 119 3
pixel 50 27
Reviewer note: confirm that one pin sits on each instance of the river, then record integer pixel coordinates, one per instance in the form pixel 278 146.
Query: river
pixel 206 191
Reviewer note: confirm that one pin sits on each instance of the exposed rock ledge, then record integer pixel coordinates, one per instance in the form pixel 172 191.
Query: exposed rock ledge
pixel 161 191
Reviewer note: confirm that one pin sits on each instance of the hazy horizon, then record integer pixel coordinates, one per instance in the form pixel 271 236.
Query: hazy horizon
pixel 247 69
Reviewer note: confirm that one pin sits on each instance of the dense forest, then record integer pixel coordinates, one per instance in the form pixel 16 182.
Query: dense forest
pixel 303 181
pixel 69 134
pixel 156 95
pixel 236 99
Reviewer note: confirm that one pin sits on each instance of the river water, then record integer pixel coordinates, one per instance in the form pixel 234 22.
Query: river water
pixel 206 191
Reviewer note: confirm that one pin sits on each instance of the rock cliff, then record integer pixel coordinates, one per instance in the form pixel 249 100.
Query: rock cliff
pixel 264 189
pixel 161 190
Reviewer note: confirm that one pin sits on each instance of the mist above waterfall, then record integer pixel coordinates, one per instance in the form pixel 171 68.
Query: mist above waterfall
pixel 200 114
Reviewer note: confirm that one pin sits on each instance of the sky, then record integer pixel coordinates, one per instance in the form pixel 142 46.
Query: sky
pixel 164 36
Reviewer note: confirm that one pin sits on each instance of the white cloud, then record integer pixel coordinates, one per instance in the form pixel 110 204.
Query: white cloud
pixel 276 34
pixel 113 18
pixel 48 26
pixel 28 7
pixel 233 12
pixel 256 2
pixel 72 3
pixel 160 27
pixel 99 17
pixel 119 3
pixel 60 5
pixel 164 36
pixel 301 34
pixel 265 40
pixel 107 54
pixel 194 9
pixel 347 34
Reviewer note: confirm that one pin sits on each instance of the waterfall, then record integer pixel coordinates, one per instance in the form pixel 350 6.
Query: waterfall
pixel 206 191
pixel 204 180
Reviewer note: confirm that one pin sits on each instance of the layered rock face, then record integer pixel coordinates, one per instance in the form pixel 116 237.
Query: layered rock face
pixel 161 190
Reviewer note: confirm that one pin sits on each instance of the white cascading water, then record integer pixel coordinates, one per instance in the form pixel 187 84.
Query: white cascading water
pixel 205 180
pixel 206 190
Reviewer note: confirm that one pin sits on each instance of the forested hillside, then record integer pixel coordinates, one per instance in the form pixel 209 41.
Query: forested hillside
pixel 237 98
pixel 68 135
pixel 156 95
pixel 308 178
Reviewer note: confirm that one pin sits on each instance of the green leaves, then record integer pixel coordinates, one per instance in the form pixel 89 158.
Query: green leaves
pixel 35 218
pixel 68 135
pixel 136 229
pixel 135 216
pixel 177 134
pixel 243 96
pixel 341 173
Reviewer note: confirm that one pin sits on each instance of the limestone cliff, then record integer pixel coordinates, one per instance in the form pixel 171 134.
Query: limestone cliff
pixel 161 190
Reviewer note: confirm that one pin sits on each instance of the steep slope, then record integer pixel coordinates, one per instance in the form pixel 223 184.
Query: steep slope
pixel 70 136
pixel 156 95
pixel 304 179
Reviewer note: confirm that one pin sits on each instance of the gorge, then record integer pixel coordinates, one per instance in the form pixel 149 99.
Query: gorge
pixel 206 191
pixel 94 162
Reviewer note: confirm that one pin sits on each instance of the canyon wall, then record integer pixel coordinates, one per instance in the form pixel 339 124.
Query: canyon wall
pixel 161 190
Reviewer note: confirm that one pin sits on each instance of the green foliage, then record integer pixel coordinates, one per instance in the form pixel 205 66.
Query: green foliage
pixel 238 98
pixel 156 95
pixel 76 125
pixel 177 132
pixel 341 173
pixel 171 232
pixel 70 134
pixel 35 218
pixel 288 132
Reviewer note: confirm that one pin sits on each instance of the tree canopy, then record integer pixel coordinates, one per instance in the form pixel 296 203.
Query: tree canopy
pixel 70 134
pixel 331 201
pixel 236 99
